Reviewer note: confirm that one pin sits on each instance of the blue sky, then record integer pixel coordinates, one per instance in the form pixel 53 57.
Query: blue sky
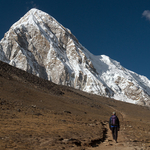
pixel 119 29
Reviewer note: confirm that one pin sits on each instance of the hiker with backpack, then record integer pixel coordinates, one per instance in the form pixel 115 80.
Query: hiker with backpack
pixel 114 125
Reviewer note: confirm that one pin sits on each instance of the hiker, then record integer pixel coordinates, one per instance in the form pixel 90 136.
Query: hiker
pixel 114 125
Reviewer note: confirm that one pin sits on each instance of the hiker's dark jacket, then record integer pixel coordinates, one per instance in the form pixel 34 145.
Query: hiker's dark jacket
pixel 117 121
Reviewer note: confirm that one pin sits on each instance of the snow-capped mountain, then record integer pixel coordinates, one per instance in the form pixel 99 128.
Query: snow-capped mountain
pixel 40 45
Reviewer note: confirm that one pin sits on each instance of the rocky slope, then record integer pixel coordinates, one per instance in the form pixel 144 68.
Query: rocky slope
pixel 34 114
pixel 40 45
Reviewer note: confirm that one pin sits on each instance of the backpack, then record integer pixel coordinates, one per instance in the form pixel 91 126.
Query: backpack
pixel 114 120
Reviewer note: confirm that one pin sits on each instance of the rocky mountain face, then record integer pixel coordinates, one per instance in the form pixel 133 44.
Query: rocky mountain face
pixel 40 45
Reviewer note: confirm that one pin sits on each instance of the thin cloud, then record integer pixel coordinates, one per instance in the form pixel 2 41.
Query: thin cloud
pixel 31 4
pixel 146 14
pixel 34 4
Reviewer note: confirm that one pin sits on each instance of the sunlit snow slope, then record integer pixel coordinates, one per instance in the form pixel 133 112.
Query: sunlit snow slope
pixel 40 45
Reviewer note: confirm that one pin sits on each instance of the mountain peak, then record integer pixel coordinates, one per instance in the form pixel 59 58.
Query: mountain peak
pixel 29 17
pixel 40 45
pixel 34 9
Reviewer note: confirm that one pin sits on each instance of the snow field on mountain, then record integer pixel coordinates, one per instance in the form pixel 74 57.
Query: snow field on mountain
pixel 40 45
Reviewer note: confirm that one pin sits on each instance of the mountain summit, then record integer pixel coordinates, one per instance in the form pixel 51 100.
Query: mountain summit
pixel 40 45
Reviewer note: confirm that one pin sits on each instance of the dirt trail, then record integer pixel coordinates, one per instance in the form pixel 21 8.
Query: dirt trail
pixel 110 144
pixel 117 111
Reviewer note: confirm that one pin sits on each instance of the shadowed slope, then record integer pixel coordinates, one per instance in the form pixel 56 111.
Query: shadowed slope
pixel 38 114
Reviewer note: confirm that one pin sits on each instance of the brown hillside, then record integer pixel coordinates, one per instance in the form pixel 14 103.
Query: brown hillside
pixel 38 114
